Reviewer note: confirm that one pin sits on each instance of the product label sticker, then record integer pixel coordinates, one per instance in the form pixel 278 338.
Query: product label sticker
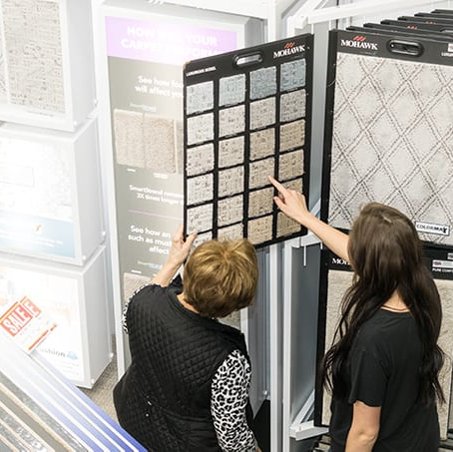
pixel 432 228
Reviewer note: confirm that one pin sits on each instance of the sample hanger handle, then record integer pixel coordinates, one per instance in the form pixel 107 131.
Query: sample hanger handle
pixel 409 48
pixel 248 59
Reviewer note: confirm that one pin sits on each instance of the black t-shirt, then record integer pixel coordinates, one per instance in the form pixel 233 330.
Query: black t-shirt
pixel 382 371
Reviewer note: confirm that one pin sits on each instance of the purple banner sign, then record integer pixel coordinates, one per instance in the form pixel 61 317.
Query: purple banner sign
pixel 165 42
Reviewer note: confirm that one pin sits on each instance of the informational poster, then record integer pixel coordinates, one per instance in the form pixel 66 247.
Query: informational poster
pixel 36 211
pixel 57 297
pixel 145 64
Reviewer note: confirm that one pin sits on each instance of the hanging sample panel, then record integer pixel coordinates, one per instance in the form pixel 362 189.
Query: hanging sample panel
pixel 389 135
pixel 336 278
pixel 247 117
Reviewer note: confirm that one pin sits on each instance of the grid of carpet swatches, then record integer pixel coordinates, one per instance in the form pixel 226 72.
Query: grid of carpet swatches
pixel 340 281
pixel 146 141
pixel 33 56
pixel 240 129
pixel 392 141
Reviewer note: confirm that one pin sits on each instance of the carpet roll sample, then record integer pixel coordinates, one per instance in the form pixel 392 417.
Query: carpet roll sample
pixel 128 133
pixel 159 144
pixel 246 116
pixel 391 138
pixel 339 281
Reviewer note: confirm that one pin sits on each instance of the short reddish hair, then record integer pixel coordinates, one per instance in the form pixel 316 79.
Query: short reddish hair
pixel 221 277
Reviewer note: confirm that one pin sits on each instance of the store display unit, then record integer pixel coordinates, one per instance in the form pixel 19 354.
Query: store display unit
pixel 50 194
pixel 47 65
pixel 76 300
pixel 387 136
pixel 247 117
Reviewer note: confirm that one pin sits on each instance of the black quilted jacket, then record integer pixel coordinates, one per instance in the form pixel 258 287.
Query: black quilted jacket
pixel 163 400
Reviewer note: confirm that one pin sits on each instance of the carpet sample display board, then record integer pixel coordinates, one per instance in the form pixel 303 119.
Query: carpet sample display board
pixel 247 117
pixel 336 278
pixel 389 130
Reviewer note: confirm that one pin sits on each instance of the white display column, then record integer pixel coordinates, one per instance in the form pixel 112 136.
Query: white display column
pixel 51 219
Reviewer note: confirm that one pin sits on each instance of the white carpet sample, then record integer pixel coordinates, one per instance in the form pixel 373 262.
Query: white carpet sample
pixel 393 140
pixel 262 113
pixel 260 172
pixel 200 97
pixel 199 219
pixel 292 106
pixel 200 188
pixel 263 83
pixel 231 152
pixel 292 135
pixel 262 144
pixel 230 210
pixel 231 121
pixel 232 90
pixel 231 181
pixel 128 133
pixel 261 202
pixel 159 144
pixel 291 165
pixel 200 159
pixel 292 75
pixel 260 229
pixel 200 129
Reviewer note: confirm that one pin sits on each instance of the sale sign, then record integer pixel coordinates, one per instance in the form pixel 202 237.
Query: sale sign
pixel 25 323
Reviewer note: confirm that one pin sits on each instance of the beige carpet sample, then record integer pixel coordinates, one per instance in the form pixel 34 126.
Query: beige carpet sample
pixel 128 132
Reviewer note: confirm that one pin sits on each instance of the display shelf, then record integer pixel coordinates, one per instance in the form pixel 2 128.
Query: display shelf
pixel 50 193
pixel 75 299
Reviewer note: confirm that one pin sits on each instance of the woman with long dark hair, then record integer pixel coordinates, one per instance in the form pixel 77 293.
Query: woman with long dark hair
pixel 383 368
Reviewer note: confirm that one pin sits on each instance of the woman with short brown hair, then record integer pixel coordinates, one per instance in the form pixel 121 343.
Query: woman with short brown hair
pixel 187 386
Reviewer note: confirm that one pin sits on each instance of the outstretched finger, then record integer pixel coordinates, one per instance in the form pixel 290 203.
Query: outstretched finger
pixel 281 189
pixel 190 239
pixel 279 202
pixel 178 235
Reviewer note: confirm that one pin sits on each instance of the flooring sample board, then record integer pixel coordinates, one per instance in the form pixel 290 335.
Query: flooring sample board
pixel 243 123
pixel 337 278
pixel 389 135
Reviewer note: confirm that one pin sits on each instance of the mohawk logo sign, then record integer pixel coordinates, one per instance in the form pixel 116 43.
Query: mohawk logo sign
pixel 359 42
pixel 290 48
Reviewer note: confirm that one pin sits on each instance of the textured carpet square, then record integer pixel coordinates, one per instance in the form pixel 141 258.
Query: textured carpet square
pixel 262 113
pixel 231 152
pixel 260 229
pixel 200 129
pixel 263 83
pixel 200 218
pixel 292 75
pixel 392 140
pixel 296 184
pixel 200 189
pixel 231 181
pixel 292 106
pixel 230 210
pixel 231 232
pixel 261 202
pixel 200 97
pixel 179 138
pixel 201 238
pixel 292 135
pixel 260 171
pixel 232 90
pixel 262 143
pixel 159 144
pixel 286 226
pixel 291 165
pixel 231 121
pixel 128 131
pixel 200 159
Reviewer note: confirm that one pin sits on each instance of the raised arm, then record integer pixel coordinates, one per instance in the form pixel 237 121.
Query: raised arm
pixel 293 205
pixel 178 253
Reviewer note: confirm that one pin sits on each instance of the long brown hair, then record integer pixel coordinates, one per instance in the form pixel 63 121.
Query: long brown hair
pixel 386 255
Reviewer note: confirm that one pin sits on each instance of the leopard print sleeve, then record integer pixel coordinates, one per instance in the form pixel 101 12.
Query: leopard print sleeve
pixel 229 396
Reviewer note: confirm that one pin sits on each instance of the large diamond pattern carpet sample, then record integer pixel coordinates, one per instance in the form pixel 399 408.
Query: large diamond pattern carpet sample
pixel 393 141
pixel 339 282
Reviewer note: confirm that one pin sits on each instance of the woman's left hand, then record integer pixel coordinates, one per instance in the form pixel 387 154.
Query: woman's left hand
pixel 179 248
